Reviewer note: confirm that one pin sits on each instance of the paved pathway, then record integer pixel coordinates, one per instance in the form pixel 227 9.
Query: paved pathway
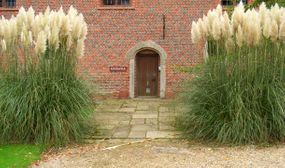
pixel 135 119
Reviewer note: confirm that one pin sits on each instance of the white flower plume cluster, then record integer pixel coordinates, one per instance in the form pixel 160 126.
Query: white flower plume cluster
pixel 243 28
pixel 50 29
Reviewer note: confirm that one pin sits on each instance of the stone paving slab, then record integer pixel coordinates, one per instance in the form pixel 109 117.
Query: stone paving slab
pixel 161 134
pixel 145 115
pixel 144 127
pixel 135 119
pixel 137 134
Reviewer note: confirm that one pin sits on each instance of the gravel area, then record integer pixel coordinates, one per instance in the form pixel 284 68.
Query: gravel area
pixel 162 154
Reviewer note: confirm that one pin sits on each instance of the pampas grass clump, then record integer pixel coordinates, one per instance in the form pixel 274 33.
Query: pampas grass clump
pixel 41 98
pixel 238 96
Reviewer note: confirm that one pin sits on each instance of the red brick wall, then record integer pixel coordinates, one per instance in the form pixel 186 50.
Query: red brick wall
pixel 112 32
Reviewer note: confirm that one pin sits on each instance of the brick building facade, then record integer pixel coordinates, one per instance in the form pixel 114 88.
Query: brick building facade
pixel 122 32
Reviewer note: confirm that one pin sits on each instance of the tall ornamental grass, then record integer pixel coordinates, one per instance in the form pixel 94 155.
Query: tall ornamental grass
pixel 41 98
pixel 238 97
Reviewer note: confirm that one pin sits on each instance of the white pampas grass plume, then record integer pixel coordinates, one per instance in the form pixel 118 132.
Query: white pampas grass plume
pixel 21 18
pixel 238 16
pixel 267 27
pixel 276 13
pixel 72 13
pixel 205 25
pixel 66 27
pixel 30 41
pixel 38 25
pixel 239 36
pixel 274 33
pixel 263 12
pixel 217 29
pixel 30 17
pixel 47 12
pixel 211 17
pixel 226 26
pixel 54 37
pixel 195 32
pixel 40 46
pixel 69 42
pixel 23 37
pixel 80 48
pixel 200 24
pixel 7 31
pixel 3 45
pixel 219 10
pixel 78 22
pixel 252 28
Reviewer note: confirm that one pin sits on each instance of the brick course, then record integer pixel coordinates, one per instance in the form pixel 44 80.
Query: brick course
pixel 113 31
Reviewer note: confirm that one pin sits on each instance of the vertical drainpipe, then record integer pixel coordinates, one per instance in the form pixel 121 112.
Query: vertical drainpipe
pixel 163 31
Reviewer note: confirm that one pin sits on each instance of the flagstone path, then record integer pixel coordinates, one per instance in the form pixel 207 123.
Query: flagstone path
pixel 135 119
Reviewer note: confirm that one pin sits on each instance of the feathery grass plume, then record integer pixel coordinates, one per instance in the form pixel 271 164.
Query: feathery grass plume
pixel 202 28
pixel 239 36
pixel 3 45
pixel 80 48
pixel 211 16
pixel 217 29
pixel 275 13
pixel 69 42
pixel 66 27
pixel 21 19
pixel 30 17
pixel 252 28
pixel 219 10
pixel 226 26
pixel 76 28
pixel 40 46
pixel 267 27
pixel 23 37
pixel 54 37
pixel 72 12
pixel 195 33
pixel 30 39
pixel 238 16
pixel 274 33
pixel 8 31
pixel 205 26
pixel 263 13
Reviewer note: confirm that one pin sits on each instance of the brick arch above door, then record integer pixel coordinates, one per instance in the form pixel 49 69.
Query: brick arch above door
pixel 131 55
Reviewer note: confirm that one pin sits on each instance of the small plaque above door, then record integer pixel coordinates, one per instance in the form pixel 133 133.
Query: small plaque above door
pixel 118 68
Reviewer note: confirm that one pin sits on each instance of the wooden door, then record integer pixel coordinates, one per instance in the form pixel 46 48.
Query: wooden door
pixel 147 75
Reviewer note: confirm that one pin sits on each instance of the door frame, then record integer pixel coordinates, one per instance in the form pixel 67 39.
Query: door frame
pixel 131 55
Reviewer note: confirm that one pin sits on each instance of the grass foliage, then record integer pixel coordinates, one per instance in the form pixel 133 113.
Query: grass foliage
pixel 41 99
pixel 19 155
pixel 238 96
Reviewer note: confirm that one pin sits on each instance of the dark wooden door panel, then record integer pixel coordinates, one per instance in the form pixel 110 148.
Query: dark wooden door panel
pixel 147 75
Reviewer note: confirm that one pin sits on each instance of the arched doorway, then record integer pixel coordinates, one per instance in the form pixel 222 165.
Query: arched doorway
pixel 147 74
pixel 132 55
